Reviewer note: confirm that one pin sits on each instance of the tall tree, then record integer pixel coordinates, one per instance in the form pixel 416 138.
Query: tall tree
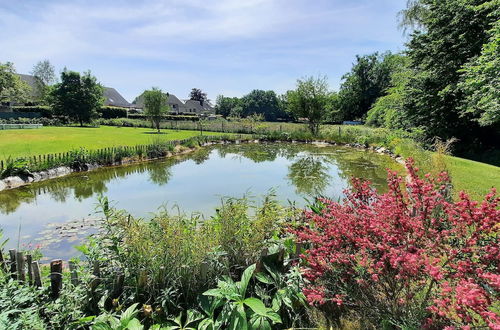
pixel 12 88
pixel 261 102
pixel 77 96
pixel 155 106
pixel 367 81
pixel 388 110
pixel 45 75
pixel 198 95
pixel 481 82
pixel 310 100
pixel 454 33
pixel 224 105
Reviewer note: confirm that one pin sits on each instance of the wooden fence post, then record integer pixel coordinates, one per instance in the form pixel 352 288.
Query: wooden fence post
pixel 118 284
pixel 29 261
pixel 36 274
pixel 12 255
pixel 21 272
pixel 74 274
pixel 56 267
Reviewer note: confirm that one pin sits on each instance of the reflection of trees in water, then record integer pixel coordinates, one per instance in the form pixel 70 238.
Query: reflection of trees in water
pixel 159 175
pixel 365 165
pixel 309 171
pixel 258 153
pixel 83 185
pixel 310 174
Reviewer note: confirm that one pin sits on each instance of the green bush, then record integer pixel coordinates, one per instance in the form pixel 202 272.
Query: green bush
pixel 44 110
pixel 109 112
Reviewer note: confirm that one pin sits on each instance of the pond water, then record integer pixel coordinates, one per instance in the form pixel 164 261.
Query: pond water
pixel 57 214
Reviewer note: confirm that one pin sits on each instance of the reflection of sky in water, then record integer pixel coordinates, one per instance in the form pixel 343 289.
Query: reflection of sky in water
pixel 195 183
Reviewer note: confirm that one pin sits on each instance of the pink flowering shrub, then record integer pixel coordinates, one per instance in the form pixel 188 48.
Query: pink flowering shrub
pixel 408 258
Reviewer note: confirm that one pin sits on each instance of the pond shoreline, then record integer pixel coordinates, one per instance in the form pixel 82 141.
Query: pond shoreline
pixel 13 182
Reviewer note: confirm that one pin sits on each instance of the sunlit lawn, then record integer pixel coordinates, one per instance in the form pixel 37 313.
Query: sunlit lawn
pixel 46 140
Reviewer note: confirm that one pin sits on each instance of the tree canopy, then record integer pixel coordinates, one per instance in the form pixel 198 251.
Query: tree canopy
pixel 197 94
pixel 77 96
pixel 12 88
pixel 367 81
pixel 310 100
pixel 155 106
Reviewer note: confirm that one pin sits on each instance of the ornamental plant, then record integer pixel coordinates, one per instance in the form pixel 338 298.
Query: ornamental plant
pixel 408 258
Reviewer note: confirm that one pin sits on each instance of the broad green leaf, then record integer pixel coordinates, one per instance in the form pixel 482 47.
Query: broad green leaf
pixel 256 305
pixel 129 314
pixel 264 278
pixel 213 293
pixel 245 279
pixel 273 316
pixel 134 324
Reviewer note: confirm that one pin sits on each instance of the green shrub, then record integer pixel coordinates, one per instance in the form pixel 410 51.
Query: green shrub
pixel 108 112
pixel 44 110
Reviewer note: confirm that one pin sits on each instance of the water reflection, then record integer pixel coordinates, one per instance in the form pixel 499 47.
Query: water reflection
pixel 195 182
pixel 309 171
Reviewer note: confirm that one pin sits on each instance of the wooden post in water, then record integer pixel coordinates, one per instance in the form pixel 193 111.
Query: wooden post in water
pixel 36 274
pixel 74 274
pixel 29 261
pixel 21 272
pixel 56 267
pixel 12 255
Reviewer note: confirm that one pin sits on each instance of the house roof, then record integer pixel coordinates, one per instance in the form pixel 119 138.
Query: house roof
pixel 112 97
pixel 192 104
pixel 32 82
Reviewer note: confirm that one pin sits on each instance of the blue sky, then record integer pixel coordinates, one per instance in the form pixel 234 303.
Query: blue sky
pixel 224 47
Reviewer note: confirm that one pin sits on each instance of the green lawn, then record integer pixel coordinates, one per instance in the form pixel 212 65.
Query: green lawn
pixel 473 177
pixel 28 142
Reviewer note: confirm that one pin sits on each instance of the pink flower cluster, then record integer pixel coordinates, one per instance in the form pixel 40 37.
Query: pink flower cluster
pixel 409 253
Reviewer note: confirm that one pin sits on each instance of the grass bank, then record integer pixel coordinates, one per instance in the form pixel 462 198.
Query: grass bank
pixel 31 142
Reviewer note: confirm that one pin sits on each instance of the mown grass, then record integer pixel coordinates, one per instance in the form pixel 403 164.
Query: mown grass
pixel 29 142
pixel 473 177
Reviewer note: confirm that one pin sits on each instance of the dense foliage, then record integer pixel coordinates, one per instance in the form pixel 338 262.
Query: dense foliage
pixel 155 106
pixel 310 101
pixel 408 258
pixel 437 55
pixel 77 96
pixel 369 78
pixel 12 88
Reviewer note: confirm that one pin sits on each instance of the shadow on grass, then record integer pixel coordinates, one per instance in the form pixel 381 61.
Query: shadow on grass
pixel 155 133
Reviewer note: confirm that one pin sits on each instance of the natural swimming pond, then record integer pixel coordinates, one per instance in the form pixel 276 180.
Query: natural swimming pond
pixel 58 213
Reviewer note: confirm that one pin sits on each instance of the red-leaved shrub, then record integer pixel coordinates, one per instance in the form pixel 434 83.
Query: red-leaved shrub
pixel 410 257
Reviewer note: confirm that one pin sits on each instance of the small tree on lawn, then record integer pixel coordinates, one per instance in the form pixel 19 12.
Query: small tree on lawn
pixel 77 96
pixel 310 101
pixel 155 106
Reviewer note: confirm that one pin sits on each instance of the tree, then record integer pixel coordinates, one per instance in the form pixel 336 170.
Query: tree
pixel 367 81
pixel 224 105
pixel 198 95
pixel 433 97
pixel 44 73
pixel 12 88
pixel 309 100
pixel 481 82
pixel 412 17
pixel 77 96
pixel 262 102
pixel 388 110
pixel 155 106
